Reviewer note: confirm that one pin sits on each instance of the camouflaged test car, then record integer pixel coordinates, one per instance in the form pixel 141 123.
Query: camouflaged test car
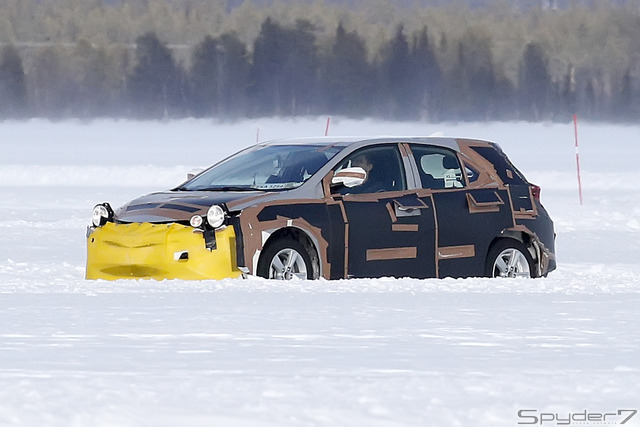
pixel 334 208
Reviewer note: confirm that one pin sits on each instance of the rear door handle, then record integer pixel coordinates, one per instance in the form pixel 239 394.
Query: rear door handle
pixel 404 211
pixel 405 208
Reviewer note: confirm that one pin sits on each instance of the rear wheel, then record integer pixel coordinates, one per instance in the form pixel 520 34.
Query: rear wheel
pixel 509 258
pixel 285 259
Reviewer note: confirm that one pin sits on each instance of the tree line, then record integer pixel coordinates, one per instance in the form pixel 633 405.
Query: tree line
pixel 483 70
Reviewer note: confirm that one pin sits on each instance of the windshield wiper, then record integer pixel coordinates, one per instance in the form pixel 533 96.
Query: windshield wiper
pixel 220 188
pixel 229 188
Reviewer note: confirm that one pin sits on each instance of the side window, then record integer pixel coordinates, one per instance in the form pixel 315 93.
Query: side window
pixel 438 167
pixel 383 164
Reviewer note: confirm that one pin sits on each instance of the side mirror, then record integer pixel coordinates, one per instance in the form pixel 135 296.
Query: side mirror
pixel 193 173
pixel 349 177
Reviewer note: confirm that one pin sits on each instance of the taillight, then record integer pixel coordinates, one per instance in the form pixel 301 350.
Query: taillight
pixel 535 192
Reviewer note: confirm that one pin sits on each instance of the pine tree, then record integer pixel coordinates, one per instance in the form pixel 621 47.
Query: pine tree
pixel 89 67
pixel 626 108
pixel 348 75
pixel 535 83
pixel 301 69
pixel 156 86
pixel 236 73
pixel 426 77
pixel 269 57
pixel 54 90
pixel 285 64
pixel 395 77
pixel 220 77
pixel 13 91
pixel 474 81
pixel 205 78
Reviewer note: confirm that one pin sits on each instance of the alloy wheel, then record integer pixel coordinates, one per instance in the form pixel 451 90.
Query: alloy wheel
pixel 511 263
pixel 287 264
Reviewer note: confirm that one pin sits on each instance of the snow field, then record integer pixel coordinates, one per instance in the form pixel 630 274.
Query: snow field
pixel 381 352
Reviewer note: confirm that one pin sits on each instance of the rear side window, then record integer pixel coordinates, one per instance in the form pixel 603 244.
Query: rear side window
pixel 438 167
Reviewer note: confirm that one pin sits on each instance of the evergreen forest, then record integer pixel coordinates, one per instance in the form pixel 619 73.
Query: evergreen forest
pixel 394 60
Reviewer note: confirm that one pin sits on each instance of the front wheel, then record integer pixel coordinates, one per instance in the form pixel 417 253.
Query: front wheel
pixel 285 259
pixel 509 258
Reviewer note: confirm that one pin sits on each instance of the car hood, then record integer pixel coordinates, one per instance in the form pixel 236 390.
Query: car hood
pixel 176 206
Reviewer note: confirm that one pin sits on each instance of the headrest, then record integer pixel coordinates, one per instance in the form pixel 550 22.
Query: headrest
pixel 449 162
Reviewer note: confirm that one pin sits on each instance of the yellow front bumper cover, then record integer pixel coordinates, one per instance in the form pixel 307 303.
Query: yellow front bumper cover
pixel 159 251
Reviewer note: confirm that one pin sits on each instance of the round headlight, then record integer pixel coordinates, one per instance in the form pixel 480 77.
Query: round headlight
pixel 99 216
pixel 196 221
pixel 215 216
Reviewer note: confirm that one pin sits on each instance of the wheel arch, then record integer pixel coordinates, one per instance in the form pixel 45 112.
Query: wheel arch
pixel 302 236
pixel 528 239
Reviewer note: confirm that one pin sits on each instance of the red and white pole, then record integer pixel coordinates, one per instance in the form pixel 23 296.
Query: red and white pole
pixel 575 128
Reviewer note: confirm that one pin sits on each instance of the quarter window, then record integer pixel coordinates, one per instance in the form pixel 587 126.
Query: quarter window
pixel 472 174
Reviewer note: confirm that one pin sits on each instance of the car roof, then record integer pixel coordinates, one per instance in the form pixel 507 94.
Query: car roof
pixel 360 140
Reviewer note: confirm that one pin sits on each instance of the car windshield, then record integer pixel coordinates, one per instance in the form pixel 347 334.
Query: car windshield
pixel 271 167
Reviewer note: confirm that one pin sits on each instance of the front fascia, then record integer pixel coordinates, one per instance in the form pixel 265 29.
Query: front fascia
pixel 159 251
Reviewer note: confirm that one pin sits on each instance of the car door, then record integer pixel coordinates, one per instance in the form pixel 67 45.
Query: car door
pixel 389 230
pixel 468 217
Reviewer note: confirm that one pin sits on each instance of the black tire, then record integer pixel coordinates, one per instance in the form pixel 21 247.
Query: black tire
pixel 509 258
pixel 274 259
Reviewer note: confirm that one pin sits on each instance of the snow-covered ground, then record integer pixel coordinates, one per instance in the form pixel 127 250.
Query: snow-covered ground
pixel 564 350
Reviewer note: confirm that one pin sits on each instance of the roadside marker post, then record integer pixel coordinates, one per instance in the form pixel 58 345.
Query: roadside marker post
pixel 575 129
